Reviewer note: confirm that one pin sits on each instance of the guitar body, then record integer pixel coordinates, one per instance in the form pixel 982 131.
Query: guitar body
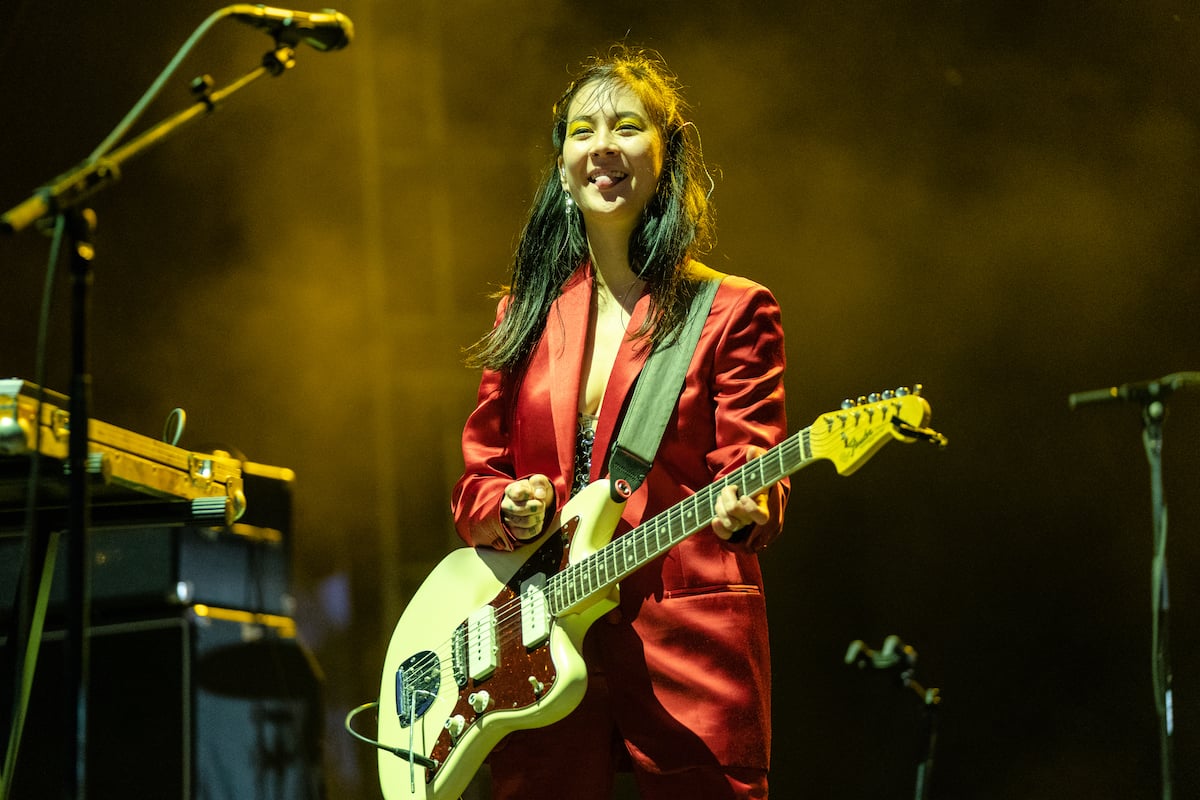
pixel 436 700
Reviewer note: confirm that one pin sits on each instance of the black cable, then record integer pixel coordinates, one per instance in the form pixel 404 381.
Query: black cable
pixel 396 751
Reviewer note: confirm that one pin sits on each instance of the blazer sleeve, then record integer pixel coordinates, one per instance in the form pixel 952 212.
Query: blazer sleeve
pixel 487 465
pixel 748 390
pixel 475 501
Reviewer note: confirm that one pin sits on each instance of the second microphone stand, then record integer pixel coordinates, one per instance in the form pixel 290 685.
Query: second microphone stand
pixel 901 660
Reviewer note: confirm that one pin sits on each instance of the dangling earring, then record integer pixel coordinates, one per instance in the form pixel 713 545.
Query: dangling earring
pixel 568 202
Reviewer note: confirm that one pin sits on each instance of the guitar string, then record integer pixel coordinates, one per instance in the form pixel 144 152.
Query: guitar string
pixel 577 578
pixel 793 445
pixel 790 455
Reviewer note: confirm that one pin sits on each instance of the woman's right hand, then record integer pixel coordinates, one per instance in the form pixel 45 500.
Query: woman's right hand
pixel 523 507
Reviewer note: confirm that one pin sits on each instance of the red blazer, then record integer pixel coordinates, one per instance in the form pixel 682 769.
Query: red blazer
pixel 688 665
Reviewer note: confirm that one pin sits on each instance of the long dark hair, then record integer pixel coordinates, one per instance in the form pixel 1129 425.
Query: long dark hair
pixel 676 227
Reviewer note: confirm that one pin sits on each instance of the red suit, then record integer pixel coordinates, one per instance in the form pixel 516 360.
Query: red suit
pixel 686 666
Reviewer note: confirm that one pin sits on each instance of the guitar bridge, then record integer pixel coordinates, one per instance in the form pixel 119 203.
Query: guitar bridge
pixel 458 655
pixel 417 682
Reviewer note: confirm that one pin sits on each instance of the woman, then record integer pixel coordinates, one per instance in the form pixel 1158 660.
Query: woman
pixel 679 675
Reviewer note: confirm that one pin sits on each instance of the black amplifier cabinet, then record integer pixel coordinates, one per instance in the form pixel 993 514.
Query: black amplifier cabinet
pixel 204 704
pixel 152 568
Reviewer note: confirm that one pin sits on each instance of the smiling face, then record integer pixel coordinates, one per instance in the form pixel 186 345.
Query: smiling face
pixel 612 155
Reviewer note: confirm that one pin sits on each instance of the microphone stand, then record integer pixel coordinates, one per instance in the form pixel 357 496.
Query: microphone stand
pixel 901 659
pixel 80 226
pixel 1153 414
pixel 1151 395
pixel 63 198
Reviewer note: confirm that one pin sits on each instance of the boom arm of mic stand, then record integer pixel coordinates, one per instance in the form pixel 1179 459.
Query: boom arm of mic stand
pixel 72 188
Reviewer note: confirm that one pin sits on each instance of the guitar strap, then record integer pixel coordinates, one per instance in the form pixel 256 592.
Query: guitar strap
pixel 655 395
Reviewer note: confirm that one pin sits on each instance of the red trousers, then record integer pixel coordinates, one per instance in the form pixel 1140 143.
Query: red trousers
pixel 578 757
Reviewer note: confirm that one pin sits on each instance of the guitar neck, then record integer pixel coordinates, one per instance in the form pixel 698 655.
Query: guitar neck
pixel 626 554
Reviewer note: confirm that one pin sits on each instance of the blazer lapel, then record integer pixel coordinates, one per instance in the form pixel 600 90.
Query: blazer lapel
pixel 630 360
pixel 566 335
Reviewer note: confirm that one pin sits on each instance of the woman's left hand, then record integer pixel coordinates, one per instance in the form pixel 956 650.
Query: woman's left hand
pixel 734 512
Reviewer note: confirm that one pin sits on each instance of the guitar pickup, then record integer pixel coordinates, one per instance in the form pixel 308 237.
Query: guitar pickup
pixel 483 651
pixel 535 618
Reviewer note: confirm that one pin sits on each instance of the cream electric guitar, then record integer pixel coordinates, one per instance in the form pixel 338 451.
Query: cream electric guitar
pixel 490 643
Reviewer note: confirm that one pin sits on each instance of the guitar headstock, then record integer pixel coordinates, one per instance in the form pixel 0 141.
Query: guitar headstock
pixel 852 434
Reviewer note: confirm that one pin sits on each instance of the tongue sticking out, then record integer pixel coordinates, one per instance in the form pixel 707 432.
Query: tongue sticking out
pixel 604 181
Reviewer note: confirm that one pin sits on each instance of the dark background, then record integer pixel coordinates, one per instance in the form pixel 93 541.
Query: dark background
pixel 997 200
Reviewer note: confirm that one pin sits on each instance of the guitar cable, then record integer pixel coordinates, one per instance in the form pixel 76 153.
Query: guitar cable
pixel 400 752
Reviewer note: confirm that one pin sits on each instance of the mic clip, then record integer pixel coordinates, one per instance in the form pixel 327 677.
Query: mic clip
pixel 895 656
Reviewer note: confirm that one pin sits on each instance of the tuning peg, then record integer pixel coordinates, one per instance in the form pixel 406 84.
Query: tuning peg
pixel 902 391
pixel 888 394
pixel 847 404
pixel 873 397
pixel 917 389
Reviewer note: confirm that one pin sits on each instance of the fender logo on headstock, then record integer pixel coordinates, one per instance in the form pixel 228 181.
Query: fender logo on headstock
pixel 853 444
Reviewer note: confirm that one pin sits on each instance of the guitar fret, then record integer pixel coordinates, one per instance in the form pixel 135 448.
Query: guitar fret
pixel 755 469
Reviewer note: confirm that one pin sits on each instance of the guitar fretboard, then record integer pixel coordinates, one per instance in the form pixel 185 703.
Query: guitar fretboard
pixel 660 533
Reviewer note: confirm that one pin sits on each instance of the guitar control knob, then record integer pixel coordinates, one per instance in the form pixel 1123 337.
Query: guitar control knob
pixel 455 726
pixel 479 701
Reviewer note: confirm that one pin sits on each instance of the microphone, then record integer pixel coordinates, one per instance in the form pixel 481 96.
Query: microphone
pixel 1141 392
pixel 323 30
